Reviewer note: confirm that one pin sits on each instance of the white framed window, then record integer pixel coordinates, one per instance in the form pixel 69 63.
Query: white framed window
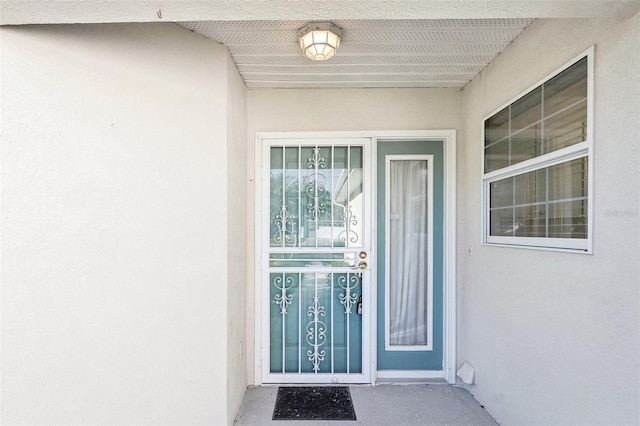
pixel 409 252
pixel 537 166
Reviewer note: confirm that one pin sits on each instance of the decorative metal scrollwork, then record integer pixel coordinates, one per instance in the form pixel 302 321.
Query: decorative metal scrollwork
pixel 316 334
pixel 315 185
pixel 348 299
pixel 349 220
pixel 315 161
pixel 286 228
pixel 283 299
pixel 315 188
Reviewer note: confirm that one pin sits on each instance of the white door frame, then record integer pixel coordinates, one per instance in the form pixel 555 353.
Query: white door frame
pixel 449 268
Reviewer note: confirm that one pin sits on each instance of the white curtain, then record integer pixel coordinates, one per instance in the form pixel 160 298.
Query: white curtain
pixel 408 252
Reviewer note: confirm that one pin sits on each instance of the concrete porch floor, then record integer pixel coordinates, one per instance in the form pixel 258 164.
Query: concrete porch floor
pixel 429 404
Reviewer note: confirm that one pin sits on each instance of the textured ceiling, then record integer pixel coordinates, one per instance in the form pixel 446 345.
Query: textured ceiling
pixel 387 43
pixel 372 53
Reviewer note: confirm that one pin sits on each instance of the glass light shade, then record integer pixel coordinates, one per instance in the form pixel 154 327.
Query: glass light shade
pixel 320 41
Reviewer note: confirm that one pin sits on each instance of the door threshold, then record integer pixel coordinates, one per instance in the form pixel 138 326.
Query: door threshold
pixel 406 377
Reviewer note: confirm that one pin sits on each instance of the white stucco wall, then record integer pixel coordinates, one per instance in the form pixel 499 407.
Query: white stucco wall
pixel 237 164
pixel 124 252
pixel 115 198
pixel 335 110
pixel 555 337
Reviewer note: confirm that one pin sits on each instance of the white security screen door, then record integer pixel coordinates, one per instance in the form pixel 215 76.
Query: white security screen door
pixel 316 260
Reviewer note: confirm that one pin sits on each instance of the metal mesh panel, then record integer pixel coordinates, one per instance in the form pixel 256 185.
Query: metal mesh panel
pixel 373 53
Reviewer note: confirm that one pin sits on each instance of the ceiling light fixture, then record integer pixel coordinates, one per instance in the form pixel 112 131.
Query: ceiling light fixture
pixel 319 40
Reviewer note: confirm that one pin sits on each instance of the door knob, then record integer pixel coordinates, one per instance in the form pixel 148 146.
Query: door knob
pixel 362 265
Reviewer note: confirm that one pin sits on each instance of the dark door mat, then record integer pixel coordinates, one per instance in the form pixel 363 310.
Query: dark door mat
pixel 314 403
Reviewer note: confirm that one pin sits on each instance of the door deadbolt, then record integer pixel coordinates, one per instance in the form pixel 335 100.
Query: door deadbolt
pixel 363 255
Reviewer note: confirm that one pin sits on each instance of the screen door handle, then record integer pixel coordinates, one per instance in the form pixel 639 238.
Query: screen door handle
pixel 362 265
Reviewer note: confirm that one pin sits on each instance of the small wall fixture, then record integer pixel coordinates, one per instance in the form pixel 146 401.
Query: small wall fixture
pixel 319 40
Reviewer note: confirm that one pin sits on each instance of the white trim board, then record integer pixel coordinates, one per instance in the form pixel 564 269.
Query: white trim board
pixel 403 375
pixel 449 269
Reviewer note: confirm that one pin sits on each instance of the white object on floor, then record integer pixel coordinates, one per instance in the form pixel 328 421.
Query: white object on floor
pixel 466 373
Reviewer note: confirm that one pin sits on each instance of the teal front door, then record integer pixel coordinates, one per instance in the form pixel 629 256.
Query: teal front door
pixel 410 176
